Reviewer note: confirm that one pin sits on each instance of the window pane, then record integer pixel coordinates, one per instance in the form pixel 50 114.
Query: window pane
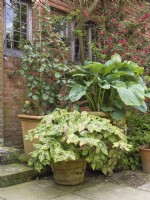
pixel 23 18
pixel 23 8
pixel 9 2
pixel 9 34
pixel 16 16
pixel 9 10
pixel 17 45
pixel 16 7
pixel 9 23
pixel 23 27
pixel 16 36
pixel 9 44
pixel 16 26
pixel 23 37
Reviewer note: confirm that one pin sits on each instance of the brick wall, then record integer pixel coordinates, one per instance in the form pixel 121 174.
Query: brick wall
pixel 1 72
pixel 13 102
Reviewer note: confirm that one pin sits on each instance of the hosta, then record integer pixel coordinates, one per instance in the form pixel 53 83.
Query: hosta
pixel 110 87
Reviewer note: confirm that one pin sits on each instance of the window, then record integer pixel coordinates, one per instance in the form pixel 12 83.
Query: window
pixel 16 24
pixel 87 41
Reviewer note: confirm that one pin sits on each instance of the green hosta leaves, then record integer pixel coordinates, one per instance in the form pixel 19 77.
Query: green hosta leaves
pixel 142 108
pixel 118 114
pixel 133 94
pixel 77 92
pixel 116 58
pixel 95 67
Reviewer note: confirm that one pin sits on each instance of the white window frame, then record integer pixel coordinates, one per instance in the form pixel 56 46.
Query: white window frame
pixel 14 52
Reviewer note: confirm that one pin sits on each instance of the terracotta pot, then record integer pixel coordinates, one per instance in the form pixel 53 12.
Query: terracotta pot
pixel 69 173
pixel 100 114
pixel 29 122
pixel 145 158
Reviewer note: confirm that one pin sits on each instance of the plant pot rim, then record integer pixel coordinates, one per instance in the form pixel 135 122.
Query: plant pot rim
pixel 145 147
pixel 98 113
pixel 23 116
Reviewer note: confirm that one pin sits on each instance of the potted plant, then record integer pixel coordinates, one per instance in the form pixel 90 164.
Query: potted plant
pixel 67 140
pixel 138 135
pixel 110 87
pixel 43 70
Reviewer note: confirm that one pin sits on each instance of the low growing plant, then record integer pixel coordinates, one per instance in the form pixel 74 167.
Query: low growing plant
pixel 65 136
pixel 110 87
pixel 138 135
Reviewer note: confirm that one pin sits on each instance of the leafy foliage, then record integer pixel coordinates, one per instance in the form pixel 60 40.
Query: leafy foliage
pixel 138 135
pixel 44 66
pixel 67 136
pixel 110 87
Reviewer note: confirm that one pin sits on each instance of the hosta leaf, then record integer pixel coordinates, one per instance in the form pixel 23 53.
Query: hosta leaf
pixel 116 58
pixel 118 114
pixel 128 97
pixel 118 103
pixel 142 108
pixel 104 84
pixel 125 71
pixel 95 67
pixel 107 108
pixel 137 89
pixel 77 92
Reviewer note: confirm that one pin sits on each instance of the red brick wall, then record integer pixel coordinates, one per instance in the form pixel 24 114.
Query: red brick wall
pixel 13 102
pixel 1 74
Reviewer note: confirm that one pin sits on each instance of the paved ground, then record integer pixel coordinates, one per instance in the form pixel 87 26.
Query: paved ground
pixel 95 187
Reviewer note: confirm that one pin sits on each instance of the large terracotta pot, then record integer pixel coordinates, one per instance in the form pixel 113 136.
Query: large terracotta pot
pixel 28 122
pixel 70 172
pixel 145 158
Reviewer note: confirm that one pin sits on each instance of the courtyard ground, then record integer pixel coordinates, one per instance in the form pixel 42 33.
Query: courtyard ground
pixel 123 185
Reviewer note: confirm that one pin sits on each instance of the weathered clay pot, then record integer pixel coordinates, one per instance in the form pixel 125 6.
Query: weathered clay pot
pixel 145 158
pixel 70 172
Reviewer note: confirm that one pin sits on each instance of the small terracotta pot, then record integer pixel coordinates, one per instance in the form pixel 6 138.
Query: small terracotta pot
pixel 145 158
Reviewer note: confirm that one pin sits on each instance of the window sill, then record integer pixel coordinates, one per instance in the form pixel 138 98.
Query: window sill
pixel 13 53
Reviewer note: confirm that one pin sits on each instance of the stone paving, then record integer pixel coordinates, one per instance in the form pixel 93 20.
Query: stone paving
pixel 94 188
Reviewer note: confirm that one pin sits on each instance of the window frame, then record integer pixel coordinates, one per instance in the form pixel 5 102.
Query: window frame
pixel 89 40
pixel 15 52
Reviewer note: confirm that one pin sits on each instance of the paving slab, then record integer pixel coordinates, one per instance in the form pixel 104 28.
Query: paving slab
pixel 92 189
pixel 71 197
pixel 32 190
pixel 145 187
pixel 109 191
pixel 88 181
